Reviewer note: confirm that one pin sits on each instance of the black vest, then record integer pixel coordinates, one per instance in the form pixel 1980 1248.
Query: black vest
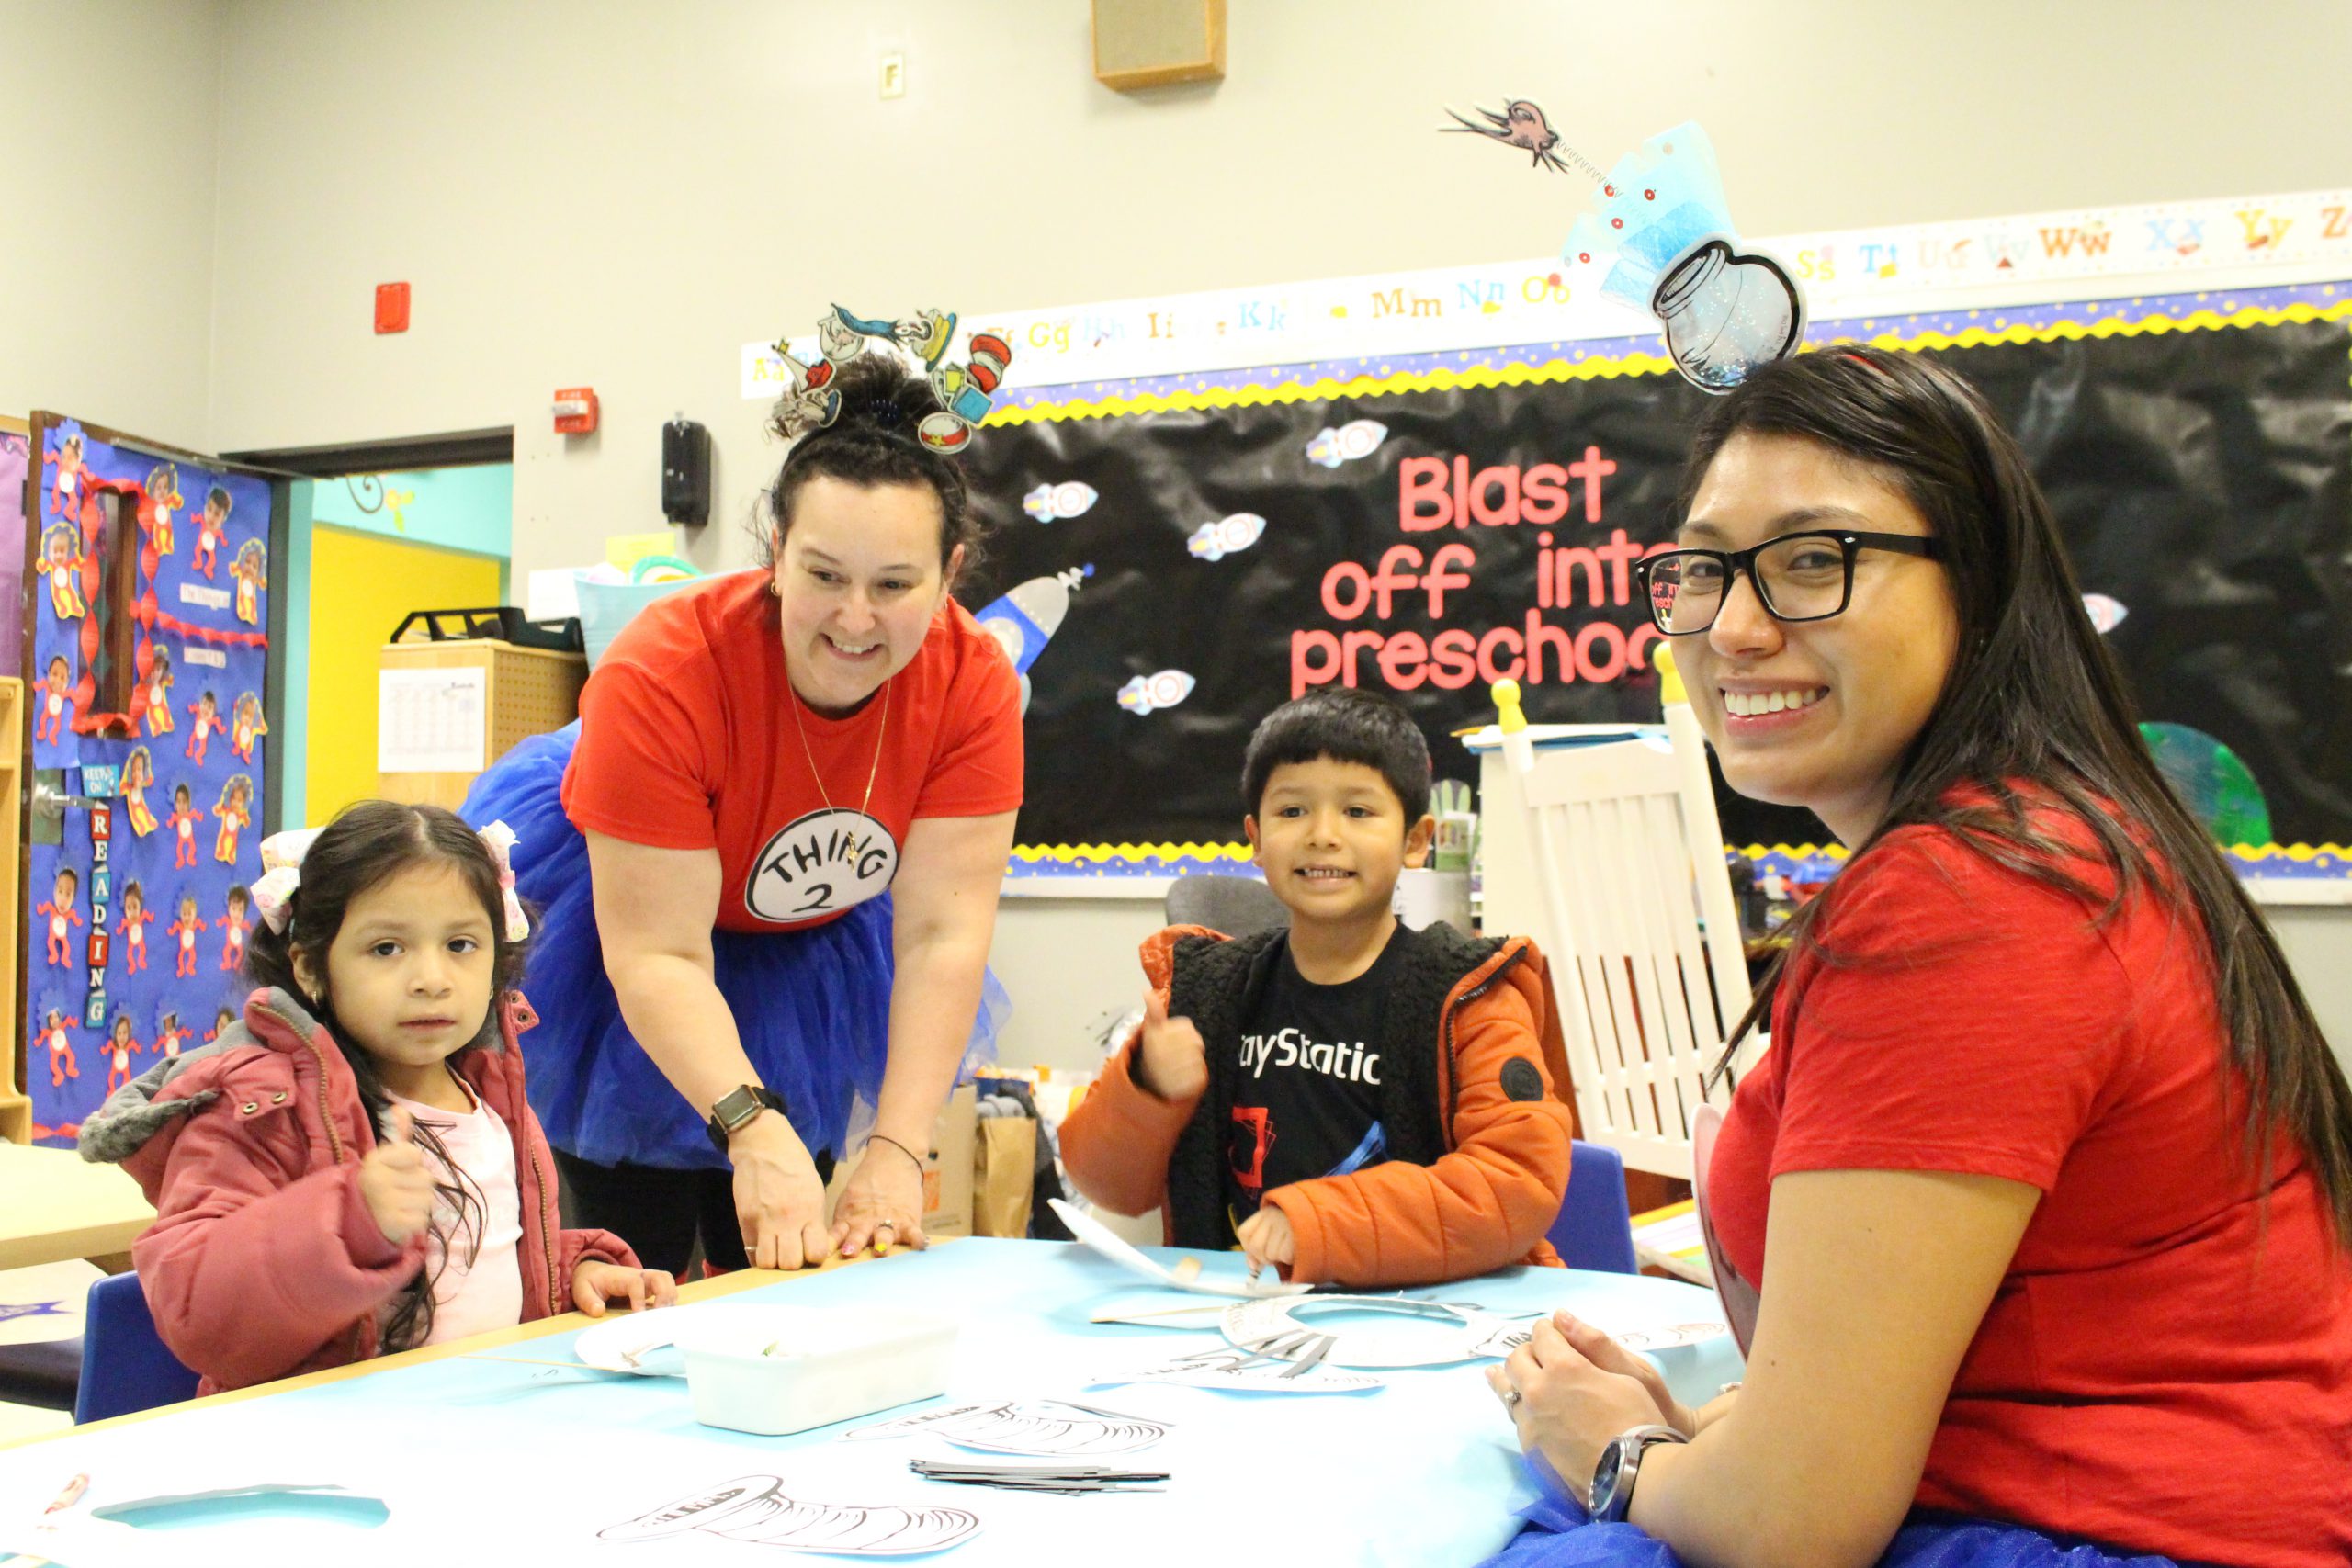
pixel 1219 983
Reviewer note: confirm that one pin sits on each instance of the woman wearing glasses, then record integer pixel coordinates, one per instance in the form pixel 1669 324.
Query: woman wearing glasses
pixel 2055 1167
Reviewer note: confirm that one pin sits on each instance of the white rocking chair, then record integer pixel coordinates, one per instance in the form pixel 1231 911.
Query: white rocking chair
pixel 1639 925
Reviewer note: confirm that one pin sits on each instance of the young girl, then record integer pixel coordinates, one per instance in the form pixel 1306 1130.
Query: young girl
pixel 353 1169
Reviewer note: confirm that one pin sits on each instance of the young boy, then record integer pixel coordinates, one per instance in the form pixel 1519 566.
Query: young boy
pixel 1350 1100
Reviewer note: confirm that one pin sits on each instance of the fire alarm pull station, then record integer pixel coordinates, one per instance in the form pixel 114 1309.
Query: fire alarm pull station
pixel 575 411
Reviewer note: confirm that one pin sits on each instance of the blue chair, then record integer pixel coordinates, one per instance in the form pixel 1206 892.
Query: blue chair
pixel 125 1367
pixel 1593 1229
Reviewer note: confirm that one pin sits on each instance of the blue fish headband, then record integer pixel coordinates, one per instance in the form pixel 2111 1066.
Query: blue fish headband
pixel 966 391
pixel 1664 230
pixel 1662 215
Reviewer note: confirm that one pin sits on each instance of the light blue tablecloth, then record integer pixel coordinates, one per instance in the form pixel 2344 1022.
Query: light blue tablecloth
pixel 1422 1472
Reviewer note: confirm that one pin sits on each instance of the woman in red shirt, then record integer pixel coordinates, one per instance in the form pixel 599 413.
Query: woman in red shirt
pixel 768 856
pixel 2053 1163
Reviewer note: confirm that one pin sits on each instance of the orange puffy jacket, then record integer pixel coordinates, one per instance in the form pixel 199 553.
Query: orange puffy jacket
pixel 1499 1135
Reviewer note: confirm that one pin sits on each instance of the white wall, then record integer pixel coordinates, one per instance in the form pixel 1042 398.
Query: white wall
pixel 618 194
pixel 110 112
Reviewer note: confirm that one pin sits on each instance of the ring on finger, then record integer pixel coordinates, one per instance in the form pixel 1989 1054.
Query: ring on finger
pixel 1511 1397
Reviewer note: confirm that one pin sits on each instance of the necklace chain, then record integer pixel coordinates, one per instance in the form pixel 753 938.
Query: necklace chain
pixel 882 731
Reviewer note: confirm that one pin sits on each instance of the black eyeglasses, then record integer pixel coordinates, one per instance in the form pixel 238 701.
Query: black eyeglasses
pixel 1798 577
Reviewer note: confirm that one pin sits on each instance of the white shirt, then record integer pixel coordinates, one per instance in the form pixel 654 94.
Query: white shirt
pixel 474 1289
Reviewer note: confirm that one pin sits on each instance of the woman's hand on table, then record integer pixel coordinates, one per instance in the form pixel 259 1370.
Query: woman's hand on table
pixel 882 1202
pixel 1578 1388
pixel 595 1282
pixel 779 1201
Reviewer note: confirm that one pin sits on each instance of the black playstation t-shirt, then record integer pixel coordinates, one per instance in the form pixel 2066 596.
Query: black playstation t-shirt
pixel 1306 1098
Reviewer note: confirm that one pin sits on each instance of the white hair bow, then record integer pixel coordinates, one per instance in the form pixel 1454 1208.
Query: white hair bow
pixel 281 859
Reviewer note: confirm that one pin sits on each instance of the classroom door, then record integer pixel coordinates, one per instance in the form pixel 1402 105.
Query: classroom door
pixel 149 684
pixel 361 586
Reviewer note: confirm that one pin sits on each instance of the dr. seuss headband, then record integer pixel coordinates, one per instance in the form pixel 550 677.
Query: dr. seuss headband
pixel 1663 229
pixel 281 859
pixel 966 391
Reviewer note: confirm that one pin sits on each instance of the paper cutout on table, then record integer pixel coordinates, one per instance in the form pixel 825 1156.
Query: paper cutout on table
pixel 1416 1333
pixel 1046 1427
pixel 753 1510
pixel 1670 1337
pixel 1097 1236
pixel 1233 1369
pixel 309 1522
pixel 653 1344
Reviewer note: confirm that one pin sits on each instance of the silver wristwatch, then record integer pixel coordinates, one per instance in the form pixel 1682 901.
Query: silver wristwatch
pixel 1620 1467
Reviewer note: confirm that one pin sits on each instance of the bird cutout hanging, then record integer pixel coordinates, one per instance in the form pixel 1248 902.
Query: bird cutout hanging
pixel 966 391
pixel 1357 438
pixel 753 1510
pixel 1226 536
pixel 1523 124
pixel 1026 618
pixel 1047 1427
pixel 1149 693
pixel 1052 503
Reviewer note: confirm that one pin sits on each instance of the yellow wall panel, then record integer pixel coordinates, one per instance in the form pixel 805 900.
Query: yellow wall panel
pixel 361 584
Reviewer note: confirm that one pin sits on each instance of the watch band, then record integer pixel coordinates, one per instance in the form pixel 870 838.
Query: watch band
pixel 1620 1466
pixel 737 1108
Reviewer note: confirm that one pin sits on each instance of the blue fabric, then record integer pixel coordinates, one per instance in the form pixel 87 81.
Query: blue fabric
pixel 1559 1534
pixel 812 1005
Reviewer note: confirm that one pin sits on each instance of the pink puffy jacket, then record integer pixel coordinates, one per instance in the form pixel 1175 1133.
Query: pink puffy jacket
pixel 263 1260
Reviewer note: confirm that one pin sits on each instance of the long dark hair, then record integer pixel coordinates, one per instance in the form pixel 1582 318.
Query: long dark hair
pixel 871 443
pixel 2034 698
pixel 365 845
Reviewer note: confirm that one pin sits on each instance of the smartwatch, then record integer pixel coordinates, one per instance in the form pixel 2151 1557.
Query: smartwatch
pixel 735 1110
pixel 1620 1467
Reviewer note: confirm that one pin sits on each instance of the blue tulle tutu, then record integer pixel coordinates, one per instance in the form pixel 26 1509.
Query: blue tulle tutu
pixel 813 1006
pixel 1559 1534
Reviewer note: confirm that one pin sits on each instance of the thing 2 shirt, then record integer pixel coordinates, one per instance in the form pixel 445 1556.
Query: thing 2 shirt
pixel 688 740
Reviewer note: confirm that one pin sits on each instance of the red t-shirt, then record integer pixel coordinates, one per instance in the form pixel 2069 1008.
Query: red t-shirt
pixel 2152 1372
pixel 688 742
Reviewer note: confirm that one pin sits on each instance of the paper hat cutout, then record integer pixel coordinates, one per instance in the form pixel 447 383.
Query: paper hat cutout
pixel 1663 224
pixel 966 391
